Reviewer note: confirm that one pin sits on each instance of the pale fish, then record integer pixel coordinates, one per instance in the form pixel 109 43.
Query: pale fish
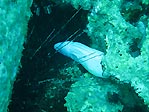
pixel 88 57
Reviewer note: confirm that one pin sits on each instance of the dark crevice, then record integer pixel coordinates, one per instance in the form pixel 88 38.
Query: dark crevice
pixel 28 95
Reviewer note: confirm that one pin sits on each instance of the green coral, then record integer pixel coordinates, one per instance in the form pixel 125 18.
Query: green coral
pixel 121 39
pixel 84 4
pixel 141 81
pixel 113 30
pixel 90 95
pixel 13 27
pixel 145 2
pixel 119 62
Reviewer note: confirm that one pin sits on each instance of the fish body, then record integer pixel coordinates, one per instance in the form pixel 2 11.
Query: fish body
pixel 88 57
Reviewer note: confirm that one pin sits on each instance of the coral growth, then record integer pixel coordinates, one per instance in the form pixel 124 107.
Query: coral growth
pixel 124 40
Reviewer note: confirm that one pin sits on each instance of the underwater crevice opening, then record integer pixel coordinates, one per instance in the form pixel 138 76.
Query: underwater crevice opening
pixel 28 94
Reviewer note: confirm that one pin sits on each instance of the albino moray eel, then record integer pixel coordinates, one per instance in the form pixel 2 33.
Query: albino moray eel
pixel 88 57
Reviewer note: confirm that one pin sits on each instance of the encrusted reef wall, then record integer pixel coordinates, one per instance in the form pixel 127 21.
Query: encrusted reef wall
pixel 14 16
pixel 120 29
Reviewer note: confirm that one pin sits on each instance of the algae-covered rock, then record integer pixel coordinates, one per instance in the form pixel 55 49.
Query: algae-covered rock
pixel 91 95
pixel 13 27
pixel 116 27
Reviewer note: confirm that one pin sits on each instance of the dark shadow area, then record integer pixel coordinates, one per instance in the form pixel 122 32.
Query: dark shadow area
pixel 28 94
